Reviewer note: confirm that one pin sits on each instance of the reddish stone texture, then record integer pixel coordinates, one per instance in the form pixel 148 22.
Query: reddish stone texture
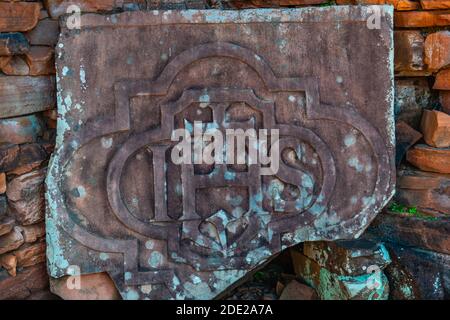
pixel 15 66
pixel 409 53
pixel 56 8
pixel 442 80
pixel 32 233
pixel 2 182
pixel 444 97
pixel 28 281
pixel 30 157
pixel 11 241
pixel 435 4
pixel 9 263
pixel 44 34
pixel 425 190
pixel 96 286
pixel 6 225
pixel 21 129
pixel 436 128
pixel 18 16
pixel 41 61
pixel 400 5
pixel 430 159
pixel 437 50
pixel 422 19
pixel 25 95
pixel 295 290
pixel 9 153
pixel 26 197
pixel 405 138
pixel 30 254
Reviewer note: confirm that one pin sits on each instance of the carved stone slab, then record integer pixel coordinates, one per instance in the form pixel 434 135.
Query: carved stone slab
pixel 116 201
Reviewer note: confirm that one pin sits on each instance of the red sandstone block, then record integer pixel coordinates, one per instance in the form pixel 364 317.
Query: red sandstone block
pixel 422 19
pixel 13 43
pixel 409 53
pixel 442 80
pixel 445 101
pixel 44 34
pixel 402 5
pixel 28 280
pixel 436 128
pixel 2 182
pixel 15 66
pixel 437 50
pixel 40 60
pixel 18 16
pixel 435 4
pixel 429 159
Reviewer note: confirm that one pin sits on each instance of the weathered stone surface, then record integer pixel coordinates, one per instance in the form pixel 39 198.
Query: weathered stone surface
pixel 436 128
pixel 193 232
pixel 40 59
pixel 429 159
pixel 33 232
pixel 422 19
pixel 10 241
pixel 411 97
pixel 26 197
pixel 347 258
pixel 295 290
pixel 444 97
pixel 442 80
pixel 425 190
pixel 13 43
pixel 25 95
pixel 6 225
pixel 15 66
pixel 405 138
pixel 437 50
pixel 428 279
pixel 9 154
pixel 2 182
pixel 31 156
pixel 26 282
pixel 372 285
pixel 30 254
pixel 9 263
pixel 44 34
pixel 435 4
pixel 245 4
pixel 21 129
pixel 97 286
pixel 18 16
pixel 3 206
pixel 427 233
pixel 409 53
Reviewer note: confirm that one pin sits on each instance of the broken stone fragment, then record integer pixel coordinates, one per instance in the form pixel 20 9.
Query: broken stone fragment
pixel 442 81
pixel 429 159
pixel 9 263
pixel 25 95
pixel 398 4
pixel 8 156
pixel 3 206
pixel 30 254
pixel 11 241
pixel 15 66
pixel 425 190
pixel 372 285
pixel 21 129
pixel 421 19
pixel 26 197
pixel 295 290
pixel 32 233
pixel 13 43
pixel 44 34
pixel 6 225
pixel 31 156
pixel 41 61
pixel 436 128
pixel 435 4
pixel 18 16
pixel 348 258
pixel 95 286
pixel 405 138
pixel 28 281
pixel 437 49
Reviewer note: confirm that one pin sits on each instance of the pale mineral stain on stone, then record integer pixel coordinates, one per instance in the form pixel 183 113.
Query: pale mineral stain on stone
pixel 349 140
pixel 106 142
pixel 155 259
pixel 103 256
pixel 356 164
